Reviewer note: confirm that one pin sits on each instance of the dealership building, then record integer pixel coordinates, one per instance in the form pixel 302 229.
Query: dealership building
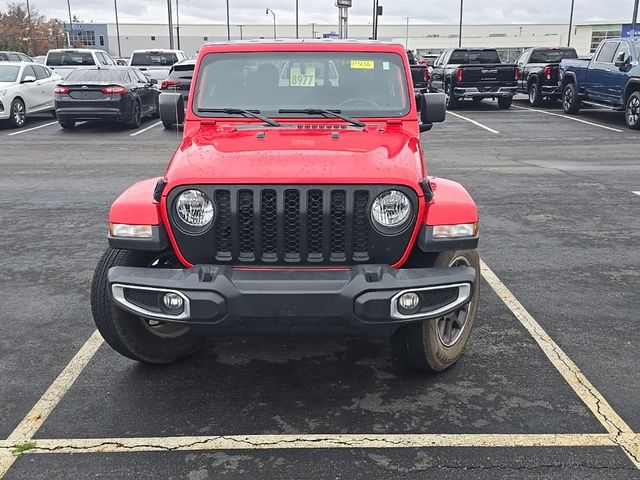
pixel 510 39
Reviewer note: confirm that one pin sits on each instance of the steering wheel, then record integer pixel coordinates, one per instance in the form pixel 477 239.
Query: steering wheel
pixel 361 101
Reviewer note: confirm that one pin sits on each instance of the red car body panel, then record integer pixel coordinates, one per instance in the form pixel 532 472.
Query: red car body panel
pixel 136 206
pixel 216 151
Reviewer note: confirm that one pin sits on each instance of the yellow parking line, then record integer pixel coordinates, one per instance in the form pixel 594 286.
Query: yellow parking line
pixel 43 408
pixel 593 399
pixel 319 441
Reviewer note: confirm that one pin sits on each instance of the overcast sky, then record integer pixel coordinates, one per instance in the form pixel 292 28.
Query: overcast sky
pixel 324 11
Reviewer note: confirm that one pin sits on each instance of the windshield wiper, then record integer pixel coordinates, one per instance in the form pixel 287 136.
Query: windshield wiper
pixel 327 113
pixel 241 111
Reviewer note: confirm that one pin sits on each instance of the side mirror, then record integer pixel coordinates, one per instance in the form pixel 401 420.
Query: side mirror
pixel 28 79
pixel 621 60
pixel 433 109
pixel 153 81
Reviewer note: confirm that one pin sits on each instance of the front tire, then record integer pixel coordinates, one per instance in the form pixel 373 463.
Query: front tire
pixel 130 335
pixel 18 113
pixel 570 101
pixel 504 103
pixel 632 111
pixel 535 96
pixel 435 345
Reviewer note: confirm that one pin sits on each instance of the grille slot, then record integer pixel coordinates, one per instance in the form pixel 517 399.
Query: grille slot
pixel 435 299
pixel 292 225
pixel 147 299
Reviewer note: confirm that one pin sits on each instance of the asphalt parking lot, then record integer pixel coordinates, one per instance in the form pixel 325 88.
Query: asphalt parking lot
pixel 549 386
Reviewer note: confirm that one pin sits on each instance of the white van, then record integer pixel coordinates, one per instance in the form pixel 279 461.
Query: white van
pixel 65 60
pixel 156 63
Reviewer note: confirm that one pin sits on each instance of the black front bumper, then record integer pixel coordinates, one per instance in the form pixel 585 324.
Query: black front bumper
pixel 364 297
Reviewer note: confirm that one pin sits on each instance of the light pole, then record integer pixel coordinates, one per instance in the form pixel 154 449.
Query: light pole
pixel 170 16
pixel 228 24
pixel 70 25
pixel 115 5
pixel 460 33
pixel 406 34
pixel 30 28
pixel 296 18
pixel 634 20
pixel 570 23
pixel 240 27
pixel 267 12
pixel 178 23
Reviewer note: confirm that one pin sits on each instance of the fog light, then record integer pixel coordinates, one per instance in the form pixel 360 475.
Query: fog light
pixel 409 303
pixel 172 301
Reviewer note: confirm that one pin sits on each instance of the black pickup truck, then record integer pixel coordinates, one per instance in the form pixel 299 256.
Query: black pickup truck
pixel 539 75
pixel 474 73
pixel 419 73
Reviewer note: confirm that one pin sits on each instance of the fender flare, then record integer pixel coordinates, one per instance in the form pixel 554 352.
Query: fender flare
pixel 568 77
pixel 451 204
pixel 136 205
pixel 633 85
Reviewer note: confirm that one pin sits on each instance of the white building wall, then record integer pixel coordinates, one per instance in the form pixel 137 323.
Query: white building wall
pixel 422 37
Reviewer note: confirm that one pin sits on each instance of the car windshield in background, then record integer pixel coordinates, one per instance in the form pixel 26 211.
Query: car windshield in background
pixel 9 73
pixel 182 71
pixel 103 75
pixel 63 59
pixel 356 84
pixel 552 56
pixel 153 59
pixel 470 57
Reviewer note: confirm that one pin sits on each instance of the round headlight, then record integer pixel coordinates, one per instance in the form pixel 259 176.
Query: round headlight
pixel 195 209
pixel 390 211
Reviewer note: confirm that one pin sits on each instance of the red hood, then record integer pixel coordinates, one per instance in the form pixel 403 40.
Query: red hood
pixel 224 154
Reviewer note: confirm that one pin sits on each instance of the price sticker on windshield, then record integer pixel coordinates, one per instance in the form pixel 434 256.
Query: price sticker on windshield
pixel 364 64
pixel 300 79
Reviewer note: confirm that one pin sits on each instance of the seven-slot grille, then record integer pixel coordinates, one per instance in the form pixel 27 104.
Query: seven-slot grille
pixel 282 225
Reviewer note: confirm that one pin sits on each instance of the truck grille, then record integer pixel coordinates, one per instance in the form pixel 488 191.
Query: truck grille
pixel 283 225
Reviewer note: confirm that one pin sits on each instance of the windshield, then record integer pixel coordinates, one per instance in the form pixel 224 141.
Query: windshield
pixel 103 75
pixel 470 57
pixel 356 84
pixel 150 59
pixel 8 73
pixel 60 59
pixel 552 56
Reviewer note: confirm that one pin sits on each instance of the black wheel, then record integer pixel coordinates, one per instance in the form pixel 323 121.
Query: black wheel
pixel 535 96
pixel 571 103
pixel 18 113
pixel 156 113
pixel 452 100
pixel 435 345
pixel 138 338
pixel 504 103
pixel 168 125
pixel 136 118
pixel 632 111
pixel 67 124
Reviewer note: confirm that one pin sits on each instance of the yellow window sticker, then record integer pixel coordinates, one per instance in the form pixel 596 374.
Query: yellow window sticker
pixel 366 64
pixel 300 79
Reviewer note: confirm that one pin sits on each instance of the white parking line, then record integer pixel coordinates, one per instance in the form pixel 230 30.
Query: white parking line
pixel 570 118
pixel 637 193
pixel 320 441
pixel 32 129
pixel 474 122
pixel 593 399
pixel 145 129
pixel 43 408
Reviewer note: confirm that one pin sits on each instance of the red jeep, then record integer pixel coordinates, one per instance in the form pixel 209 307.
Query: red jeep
pixel 297 202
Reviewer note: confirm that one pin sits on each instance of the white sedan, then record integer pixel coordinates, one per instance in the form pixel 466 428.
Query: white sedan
pixel 25 88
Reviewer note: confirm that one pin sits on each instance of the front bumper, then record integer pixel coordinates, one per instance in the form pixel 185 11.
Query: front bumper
pixel 364 296
pixel 474 92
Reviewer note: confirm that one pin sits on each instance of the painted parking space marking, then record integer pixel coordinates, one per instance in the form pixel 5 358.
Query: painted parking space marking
pixel 478 124
pixel 45 405
pixel 145 129
pixel 592 398
pixel 637 193
pixel 320 441
pixel 619 433
pixel 570 118
pixel 32 129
